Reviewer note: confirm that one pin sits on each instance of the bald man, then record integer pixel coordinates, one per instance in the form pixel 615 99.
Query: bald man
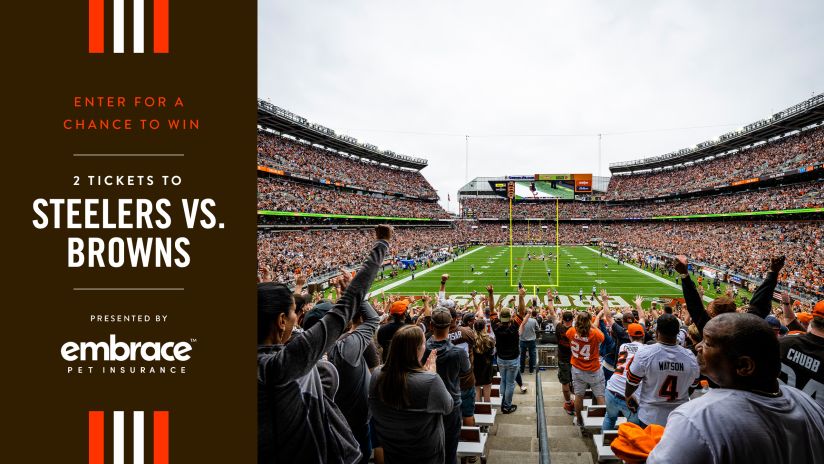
pixel 750 418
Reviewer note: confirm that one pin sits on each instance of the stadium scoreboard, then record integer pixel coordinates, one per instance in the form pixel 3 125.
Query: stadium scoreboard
pixel 542 186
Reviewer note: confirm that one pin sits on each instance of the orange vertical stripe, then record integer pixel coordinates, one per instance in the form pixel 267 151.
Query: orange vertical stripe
pixel 161 26
pixel 161 437
pixel 96 437
pixel 96 21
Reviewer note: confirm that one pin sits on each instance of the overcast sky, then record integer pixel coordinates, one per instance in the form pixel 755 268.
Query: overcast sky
pixel 416 76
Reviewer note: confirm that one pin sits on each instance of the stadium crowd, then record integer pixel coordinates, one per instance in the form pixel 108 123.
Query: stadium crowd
pixel 277 194
pixel 794 196
pixel 790 153
pixel 298 158
pixel 340 378
pixel 317 252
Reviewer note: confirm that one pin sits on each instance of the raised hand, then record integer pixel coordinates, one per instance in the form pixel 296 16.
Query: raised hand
pixel 430 364
pixel 776 263
pixel 680 264
pixel 264 274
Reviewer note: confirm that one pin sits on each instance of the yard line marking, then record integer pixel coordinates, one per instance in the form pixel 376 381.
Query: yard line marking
pixel 424 272
pixel 649 274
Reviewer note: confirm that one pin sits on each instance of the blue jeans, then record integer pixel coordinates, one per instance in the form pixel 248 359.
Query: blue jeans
pixel 616 405
pixel 533 354
pixel 508 369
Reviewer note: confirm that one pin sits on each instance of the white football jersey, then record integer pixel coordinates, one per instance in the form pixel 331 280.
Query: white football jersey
pixel 618 382
pixel 667 371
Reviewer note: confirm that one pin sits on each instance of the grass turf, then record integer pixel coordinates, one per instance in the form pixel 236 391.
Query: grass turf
pixel 574 271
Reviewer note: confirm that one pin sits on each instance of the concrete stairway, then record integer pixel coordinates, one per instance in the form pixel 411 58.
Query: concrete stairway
pixel 515 440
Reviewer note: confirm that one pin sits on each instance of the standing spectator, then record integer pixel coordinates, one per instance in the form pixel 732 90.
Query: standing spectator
pixel 397 315
pixel 347 355
pixel 484 352
pixel 408 402
pixel 616 385
pixel 584 342
pixel 750 417
pixel 528 339
pixel 669 373
pixel 802 357
pixel 506 341
pixel 452 363
pixel 296 413
pixel 565 359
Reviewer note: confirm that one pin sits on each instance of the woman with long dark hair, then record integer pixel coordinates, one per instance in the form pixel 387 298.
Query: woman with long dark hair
pixel 298 420
pixel 408 400
pixel 484 352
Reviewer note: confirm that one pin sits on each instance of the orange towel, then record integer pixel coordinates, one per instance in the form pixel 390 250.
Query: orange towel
pixel 634 444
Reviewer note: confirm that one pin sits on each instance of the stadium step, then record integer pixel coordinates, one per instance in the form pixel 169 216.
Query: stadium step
pixel 513 440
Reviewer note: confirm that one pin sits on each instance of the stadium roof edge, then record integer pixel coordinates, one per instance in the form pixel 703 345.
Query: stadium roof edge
pixel 808 113
pixel 285 122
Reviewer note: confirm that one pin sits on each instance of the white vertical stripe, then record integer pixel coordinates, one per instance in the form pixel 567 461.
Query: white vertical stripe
pixel 119 25
pixel 117 435
pixel 138 433
pixel 138 26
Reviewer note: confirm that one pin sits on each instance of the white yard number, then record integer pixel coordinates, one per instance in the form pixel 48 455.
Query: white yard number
pixel 580 351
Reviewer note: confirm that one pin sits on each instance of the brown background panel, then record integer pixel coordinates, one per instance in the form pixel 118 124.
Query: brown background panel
pixel 212 65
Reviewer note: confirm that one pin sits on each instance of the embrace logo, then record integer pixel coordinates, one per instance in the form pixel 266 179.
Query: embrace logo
pixel 97 21
pixel 97 438
pixel 114 350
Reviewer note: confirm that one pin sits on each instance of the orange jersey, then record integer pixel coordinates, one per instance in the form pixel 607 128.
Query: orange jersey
pixel 585 349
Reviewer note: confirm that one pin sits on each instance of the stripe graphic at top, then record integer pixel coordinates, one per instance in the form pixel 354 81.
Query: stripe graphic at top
pixel 98 35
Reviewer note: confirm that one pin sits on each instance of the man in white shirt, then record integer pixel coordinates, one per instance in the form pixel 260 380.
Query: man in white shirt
pixel 669 373
pixel 749 418
pixel 616 385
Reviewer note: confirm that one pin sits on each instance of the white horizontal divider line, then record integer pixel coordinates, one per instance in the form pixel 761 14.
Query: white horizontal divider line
pixel 125 155
pixel 125 289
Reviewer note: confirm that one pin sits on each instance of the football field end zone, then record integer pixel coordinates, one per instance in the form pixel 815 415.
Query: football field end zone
pixel 642 271
pixel 424 272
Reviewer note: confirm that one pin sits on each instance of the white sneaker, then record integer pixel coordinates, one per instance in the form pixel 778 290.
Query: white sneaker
pixel 523 388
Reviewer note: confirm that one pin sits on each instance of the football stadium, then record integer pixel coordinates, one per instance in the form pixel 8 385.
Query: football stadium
pixel 668 308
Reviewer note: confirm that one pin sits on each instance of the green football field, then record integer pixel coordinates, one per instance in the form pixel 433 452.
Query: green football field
pixel 574 271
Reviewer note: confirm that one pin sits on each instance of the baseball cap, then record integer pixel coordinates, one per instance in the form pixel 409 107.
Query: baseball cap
pixel 316 313
pixel 506 315
pixel 775 324
pixel 468 318
pixel 447 303
pixel 619 316
pixel 635 330
pixel 568 316
pixel 818 310
pixel 804 317
pixel 441 318
pixel 399 307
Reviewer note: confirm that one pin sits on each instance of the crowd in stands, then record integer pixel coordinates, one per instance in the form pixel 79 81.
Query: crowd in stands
pixel 342 377
pixel 278 194
pixel 794 196
pixel 298 158
pixel 317 252
pixel 790 153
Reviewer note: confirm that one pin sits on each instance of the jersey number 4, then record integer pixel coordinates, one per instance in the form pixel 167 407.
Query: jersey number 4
pixel 669 389
pixel 580 351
